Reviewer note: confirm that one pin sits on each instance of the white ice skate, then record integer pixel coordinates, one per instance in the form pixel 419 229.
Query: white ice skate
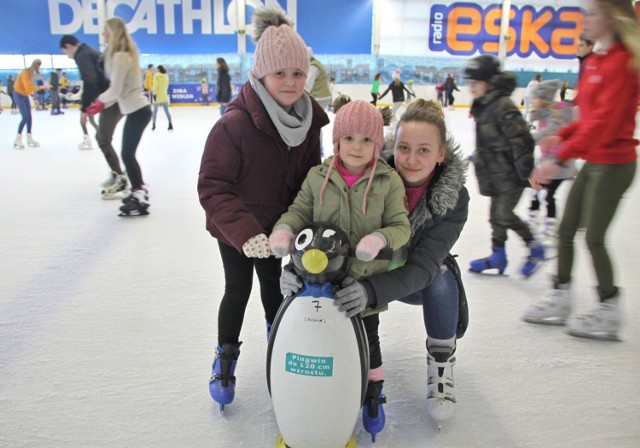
pixel 117 190
pixel 602 323
pixel 86 143
pixel 553 309
pixel 136 204
pixel 17 144
pixel 31 142
pixel 440 400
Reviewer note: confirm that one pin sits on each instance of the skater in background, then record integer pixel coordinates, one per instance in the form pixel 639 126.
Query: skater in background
pixel 603 136
pixel 10 84
pixel 22 89
pixel 375 89
pixel 317 83
pixel 397 89
pixel 94 82
pixel 503 160
pixel 161 96
pixel 54 92
pixel 41 94
pixel 223 84
pixel 563 90
pixel 584 50
pixel 64 89
pixel 374 221
pixel 433 171
pixel 204 88
pixel 254 162
pixel 334 92
pixel 148 82
pixel 527 96
pixel 449 87
pixel 121 65
pixel 551 117
pixel 440 94
pixel 411 93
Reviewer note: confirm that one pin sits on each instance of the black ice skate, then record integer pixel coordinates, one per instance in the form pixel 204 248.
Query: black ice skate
pixel 135 205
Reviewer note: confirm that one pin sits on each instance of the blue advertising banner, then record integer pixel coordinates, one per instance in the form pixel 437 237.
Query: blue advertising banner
pixel 180 26
pixel 192 93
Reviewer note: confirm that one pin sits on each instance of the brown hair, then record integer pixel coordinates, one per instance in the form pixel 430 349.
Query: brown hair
pixel 426 111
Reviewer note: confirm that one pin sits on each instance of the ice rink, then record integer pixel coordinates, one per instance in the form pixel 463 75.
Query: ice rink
pixel 108 324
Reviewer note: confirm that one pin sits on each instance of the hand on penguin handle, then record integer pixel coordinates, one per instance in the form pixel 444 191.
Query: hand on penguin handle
pixel 290 283
pixel 351 298
pixel 280 241
pixel 257 247
pixel 370 246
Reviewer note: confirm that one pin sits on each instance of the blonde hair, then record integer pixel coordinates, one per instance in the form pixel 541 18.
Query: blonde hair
pixel 35 66
pixel 625 26
pixel 426 111
pixel 120 41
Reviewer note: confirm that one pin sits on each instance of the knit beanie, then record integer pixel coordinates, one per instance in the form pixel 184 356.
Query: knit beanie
pixel 482 68
pixel 357 117
pixel 546 90
pixel 278 45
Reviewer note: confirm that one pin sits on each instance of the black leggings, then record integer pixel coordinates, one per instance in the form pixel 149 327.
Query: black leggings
pixel 551 200
pixel 131 134
pixel 238 277
pixel 371 324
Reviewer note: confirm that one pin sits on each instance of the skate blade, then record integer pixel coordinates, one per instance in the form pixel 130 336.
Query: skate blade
pixel 114 196
pixel 595 336
pixel 545 321
pixel 134 213
pixel 489 274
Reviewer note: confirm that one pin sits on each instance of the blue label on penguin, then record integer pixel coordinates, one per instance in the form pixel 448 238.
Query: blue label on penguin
pixel 309 365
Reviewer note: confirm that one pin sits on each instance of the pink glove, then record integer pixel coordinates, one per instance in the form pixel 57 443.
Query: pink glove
pixel 370 246
pixel 95 108
pixel 280 241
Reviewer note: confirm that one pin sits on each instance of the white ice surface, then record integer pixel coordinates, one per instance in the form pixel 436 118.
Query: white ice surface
pixel 108 325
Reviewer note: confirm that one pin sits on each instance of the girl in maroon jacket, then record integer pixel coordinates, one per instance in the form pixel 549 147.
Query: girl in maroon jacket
pixel 255 159
pixel 603 136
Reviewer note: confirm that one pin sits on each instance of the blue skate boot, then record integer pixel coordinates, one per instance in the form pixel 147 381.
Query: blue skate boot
pixel 373 418
pixel 222 384
pixel 534 260
pixel 497 260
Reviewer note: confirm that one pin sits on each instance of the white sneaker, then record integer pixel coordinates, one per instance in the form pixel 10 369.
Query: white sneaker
pixel 17 144
pixel 602 323
pixel 549 227
pixel 553 309
pixel 31 142
pixel 440 400
pixel 86 143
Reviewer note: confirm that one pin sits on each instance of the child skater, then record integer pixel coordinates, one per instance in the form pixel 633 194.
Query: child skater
pixel 254 162
pixel 551 117
pixel 204 86
pixel 341 192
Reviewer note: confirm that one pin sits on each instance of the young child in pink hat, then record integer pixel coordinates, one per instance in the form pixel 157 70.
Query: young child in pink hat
pixel 359 192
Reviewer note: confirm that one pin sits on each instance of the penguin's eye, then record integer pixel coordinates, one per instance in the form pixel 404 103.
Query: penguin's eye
pixel 303 239
pixel 328 233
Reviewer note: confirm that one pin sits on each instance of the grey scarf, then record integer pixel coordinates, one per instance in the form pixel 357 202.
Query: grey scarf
pixel 293 128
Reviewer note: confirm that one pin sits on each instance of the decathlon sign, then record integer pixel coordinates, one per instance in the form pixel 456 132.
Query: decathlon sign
pixel 464 29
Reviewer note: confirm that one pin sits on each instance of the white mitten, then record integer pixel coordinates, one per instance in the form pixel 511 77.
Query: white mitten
pixel 280 240
pixel 257 247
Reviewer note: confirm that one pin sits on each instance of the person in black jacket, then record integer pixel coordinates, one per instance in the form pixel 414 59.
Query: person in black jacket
pixel 223 85
pixel 94 81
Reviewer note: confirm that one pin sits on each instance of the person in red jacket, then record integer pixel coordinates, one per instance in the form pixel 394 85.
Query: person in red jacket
pixel 603 136
pixel 255 159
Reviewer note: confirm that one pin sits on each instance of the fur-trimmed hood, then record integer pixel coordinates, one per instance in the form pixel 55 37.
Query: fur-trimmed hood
pixel 443 193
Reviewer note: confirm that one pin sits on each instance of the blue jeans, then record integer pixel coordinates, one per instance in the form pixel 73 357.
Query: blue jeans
pixel 440 305
pixel 24 106
pixel 165 106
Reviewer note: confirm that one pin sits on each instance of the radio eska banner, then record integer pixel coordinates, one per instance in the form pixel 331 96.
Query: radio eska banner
pixel 536 29
pixel 181 26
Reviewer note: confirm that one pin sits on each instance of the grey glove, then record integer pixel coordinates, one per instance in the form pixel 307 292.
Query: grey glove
pixel 352 298
pixel 290 283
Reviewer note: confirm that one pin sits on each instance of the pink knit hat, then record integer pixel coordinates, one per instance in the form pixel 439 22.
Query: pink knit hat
pixel 278 45
pixel 357 117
